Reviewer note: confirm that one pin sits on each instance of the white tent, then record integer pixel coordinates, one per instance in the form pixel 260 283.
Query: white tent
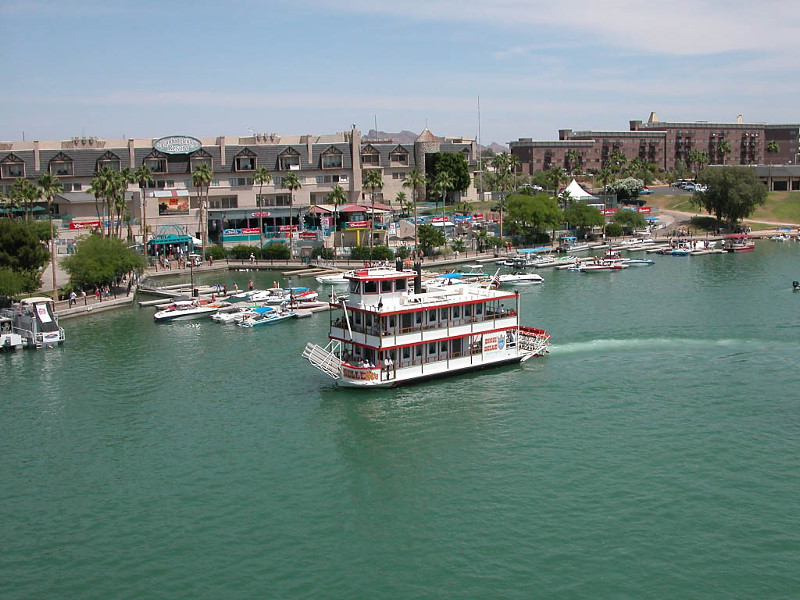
pixel 576 192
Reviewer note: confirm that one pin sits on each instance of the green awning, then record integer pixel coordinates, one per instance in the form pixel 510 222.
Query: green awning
pixel 170 239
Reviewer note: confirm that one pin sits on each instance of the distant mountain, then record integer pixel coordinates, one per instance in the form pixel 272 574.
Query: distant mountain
pixel 408 137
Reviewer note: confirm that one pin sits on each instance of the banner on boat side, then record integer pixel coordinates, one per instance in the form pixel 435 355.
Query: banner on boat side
pixel 494 343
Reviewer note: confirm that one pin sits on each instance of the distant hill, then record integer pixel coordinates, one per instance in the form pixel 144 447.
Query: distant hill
pixel 408 137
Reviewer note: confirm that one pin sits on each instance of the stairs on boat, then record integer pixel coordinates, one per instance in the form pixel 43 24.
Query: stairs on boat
pixel 323 359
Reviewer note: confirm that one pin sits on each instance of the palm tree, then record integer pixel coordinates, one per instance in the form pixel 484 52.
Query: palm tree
pixel 573 160
pixel 502 167
pixel 144 176
pixel 441 185
pixel 336 196
pixel 201 178
pixel 105 183
pixel 699 159
pixel 126 177
pixel 772 148
pixel 724 148
pixel 292 183
pixel 25 193
pixel 50 186
pixel 374 181
pixel 401 199
pixel 261 176
pixel 415 179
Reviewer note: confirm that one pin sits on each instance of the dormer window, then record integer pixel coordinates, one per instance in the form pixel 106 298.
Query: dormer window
pixel 200 157
pixel 370 157
pixel 61 165
pixel 110 160
pixel 245 161
pixel 156 162
pixel 399 156
pixel 289 160
pixel 332 159
pixel 12 167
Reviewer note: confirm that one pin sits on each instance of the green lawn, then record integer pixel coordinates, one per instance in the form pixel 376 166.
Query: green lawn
pixel 783 207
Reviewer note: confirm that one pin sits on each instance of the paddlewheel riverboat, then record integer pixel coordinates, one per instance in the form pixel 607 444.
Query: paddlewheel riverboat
pixel 392 329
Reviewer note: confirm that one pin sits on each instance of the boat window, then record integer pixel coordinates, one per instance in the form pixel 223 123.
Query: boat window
pixel 431 315
pixel 406 321
pixel 418 317
pixel 386 286
pixel 418 350
pixel 443 314
pixel 370 287
pixel 432 348
pixel 456 312
pixel 357 318
pixel 368 320
pixel 468 310
pixel 354 286
pixel 406 352
pixel 392 322
pixel 457 345
pixel 479 309
pixel 400 285
pixel 442 346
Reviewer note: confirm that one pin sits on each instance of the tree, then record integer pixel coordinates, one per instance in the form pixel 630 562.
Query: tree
pixel 573 161
pixel 400 198
pixel 25 193
pixel 96 189
pixel 261 176
pixel 374 181
pixel 107 183
pixel 502 180
pixel 698 159
pixel 732 193
pixel 101 261
pixel 582 216
pixel 50 186
pixel 337 196
pixel 455 165
pixel 556 177
pixel 723 149
pixel 292 183
pixel 627 190
pixel 415 179
pixel 616 161
pixel 629 220
pixel 202 178
pixel 532 216
pixel 442 184
pixel 22 255
pixel 772 148
pixel 144 176
pixel 126 177
pixel 430 237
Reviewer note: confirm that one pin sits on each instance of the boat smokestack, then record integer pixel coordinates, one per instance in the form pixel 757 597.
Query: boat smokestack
pixel 418 278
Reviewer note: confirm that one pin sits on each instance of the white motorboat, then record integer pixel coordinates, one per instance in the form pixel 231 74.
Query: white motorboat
pixel 235 314
pixel 267 316
pixel 185 310
pixel 519 277
pixel 34 321
pixel 334 279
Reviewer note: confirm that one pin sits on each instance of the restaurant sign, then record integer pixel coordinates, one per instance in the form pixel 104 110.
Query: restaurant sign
pixel 177 144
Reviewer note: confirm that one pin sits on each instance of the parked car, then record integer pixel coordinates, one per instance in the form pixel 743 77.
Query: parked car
pixel 645 191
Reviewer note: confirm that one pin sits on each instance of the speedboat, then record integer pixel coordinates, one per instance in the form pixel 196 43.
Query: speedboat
pixel 520 277
pixel 267 316
pixel 334 279
pixel 184 310
pixel 235 314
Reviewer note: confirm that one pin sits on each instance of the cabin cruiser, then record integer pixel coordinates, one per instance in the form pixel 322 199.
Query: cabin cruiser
pixel 34 321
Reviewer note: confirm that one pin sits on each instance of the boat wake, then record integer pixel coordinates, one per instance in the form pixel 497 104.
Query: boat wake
pixel 649 344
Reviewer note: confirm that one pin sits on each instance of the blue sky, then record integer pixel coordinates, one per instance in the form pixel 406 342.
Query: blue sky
pixel 205 68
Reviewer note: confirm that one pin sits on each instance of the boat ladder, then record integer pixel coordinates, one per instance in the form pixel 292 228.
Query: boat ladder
pixel 324 359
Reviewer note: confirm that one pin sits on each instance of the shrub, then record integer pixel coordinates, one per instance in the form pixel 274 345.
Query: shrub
pixel 613 230
pixel 275 251
pixel 217 252
pixel 324 253
pixel 242 252
pixel 378 253
pixel 402 252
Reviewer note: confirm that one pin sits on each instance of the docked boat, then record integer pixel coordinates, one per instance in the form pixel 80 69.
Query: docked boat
pixel 185 310
pixel 738 242
pixel 569 244
pixel 9 339
pixel 519 277
pixel 334 279
pixel 266 316
pixel 235 314
pixel 33 320
pixel 393 330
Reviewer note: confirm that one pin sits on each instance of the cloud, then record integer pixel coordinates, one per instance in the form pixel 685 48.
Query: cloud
pixel 681 27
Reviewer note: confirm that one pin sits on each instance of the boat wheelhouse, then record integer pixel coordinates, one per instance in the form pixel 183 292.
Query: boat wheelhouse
pixel 392 330
pixel 35 321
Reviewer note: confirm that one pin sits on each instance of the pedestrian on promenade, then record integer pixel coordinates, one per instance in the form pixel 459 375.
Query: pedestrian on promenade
pixel 73 298
pixel 252 258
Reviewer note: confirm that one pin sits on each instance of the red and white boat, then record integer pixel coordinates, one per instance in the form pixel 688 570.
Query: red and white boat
pixel 738 242
pixel 393 330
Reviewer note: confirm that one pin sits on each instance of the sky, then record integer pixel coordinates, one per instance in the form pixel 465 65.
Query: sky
pixel 497 70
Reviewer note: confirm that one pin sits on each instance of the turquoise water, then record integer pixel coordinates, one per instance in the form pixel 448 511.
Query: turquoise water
pixel 654 454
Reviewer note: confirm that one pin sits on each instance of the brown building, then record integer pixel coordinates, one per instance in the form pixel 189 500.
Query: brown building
pixel 662 143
